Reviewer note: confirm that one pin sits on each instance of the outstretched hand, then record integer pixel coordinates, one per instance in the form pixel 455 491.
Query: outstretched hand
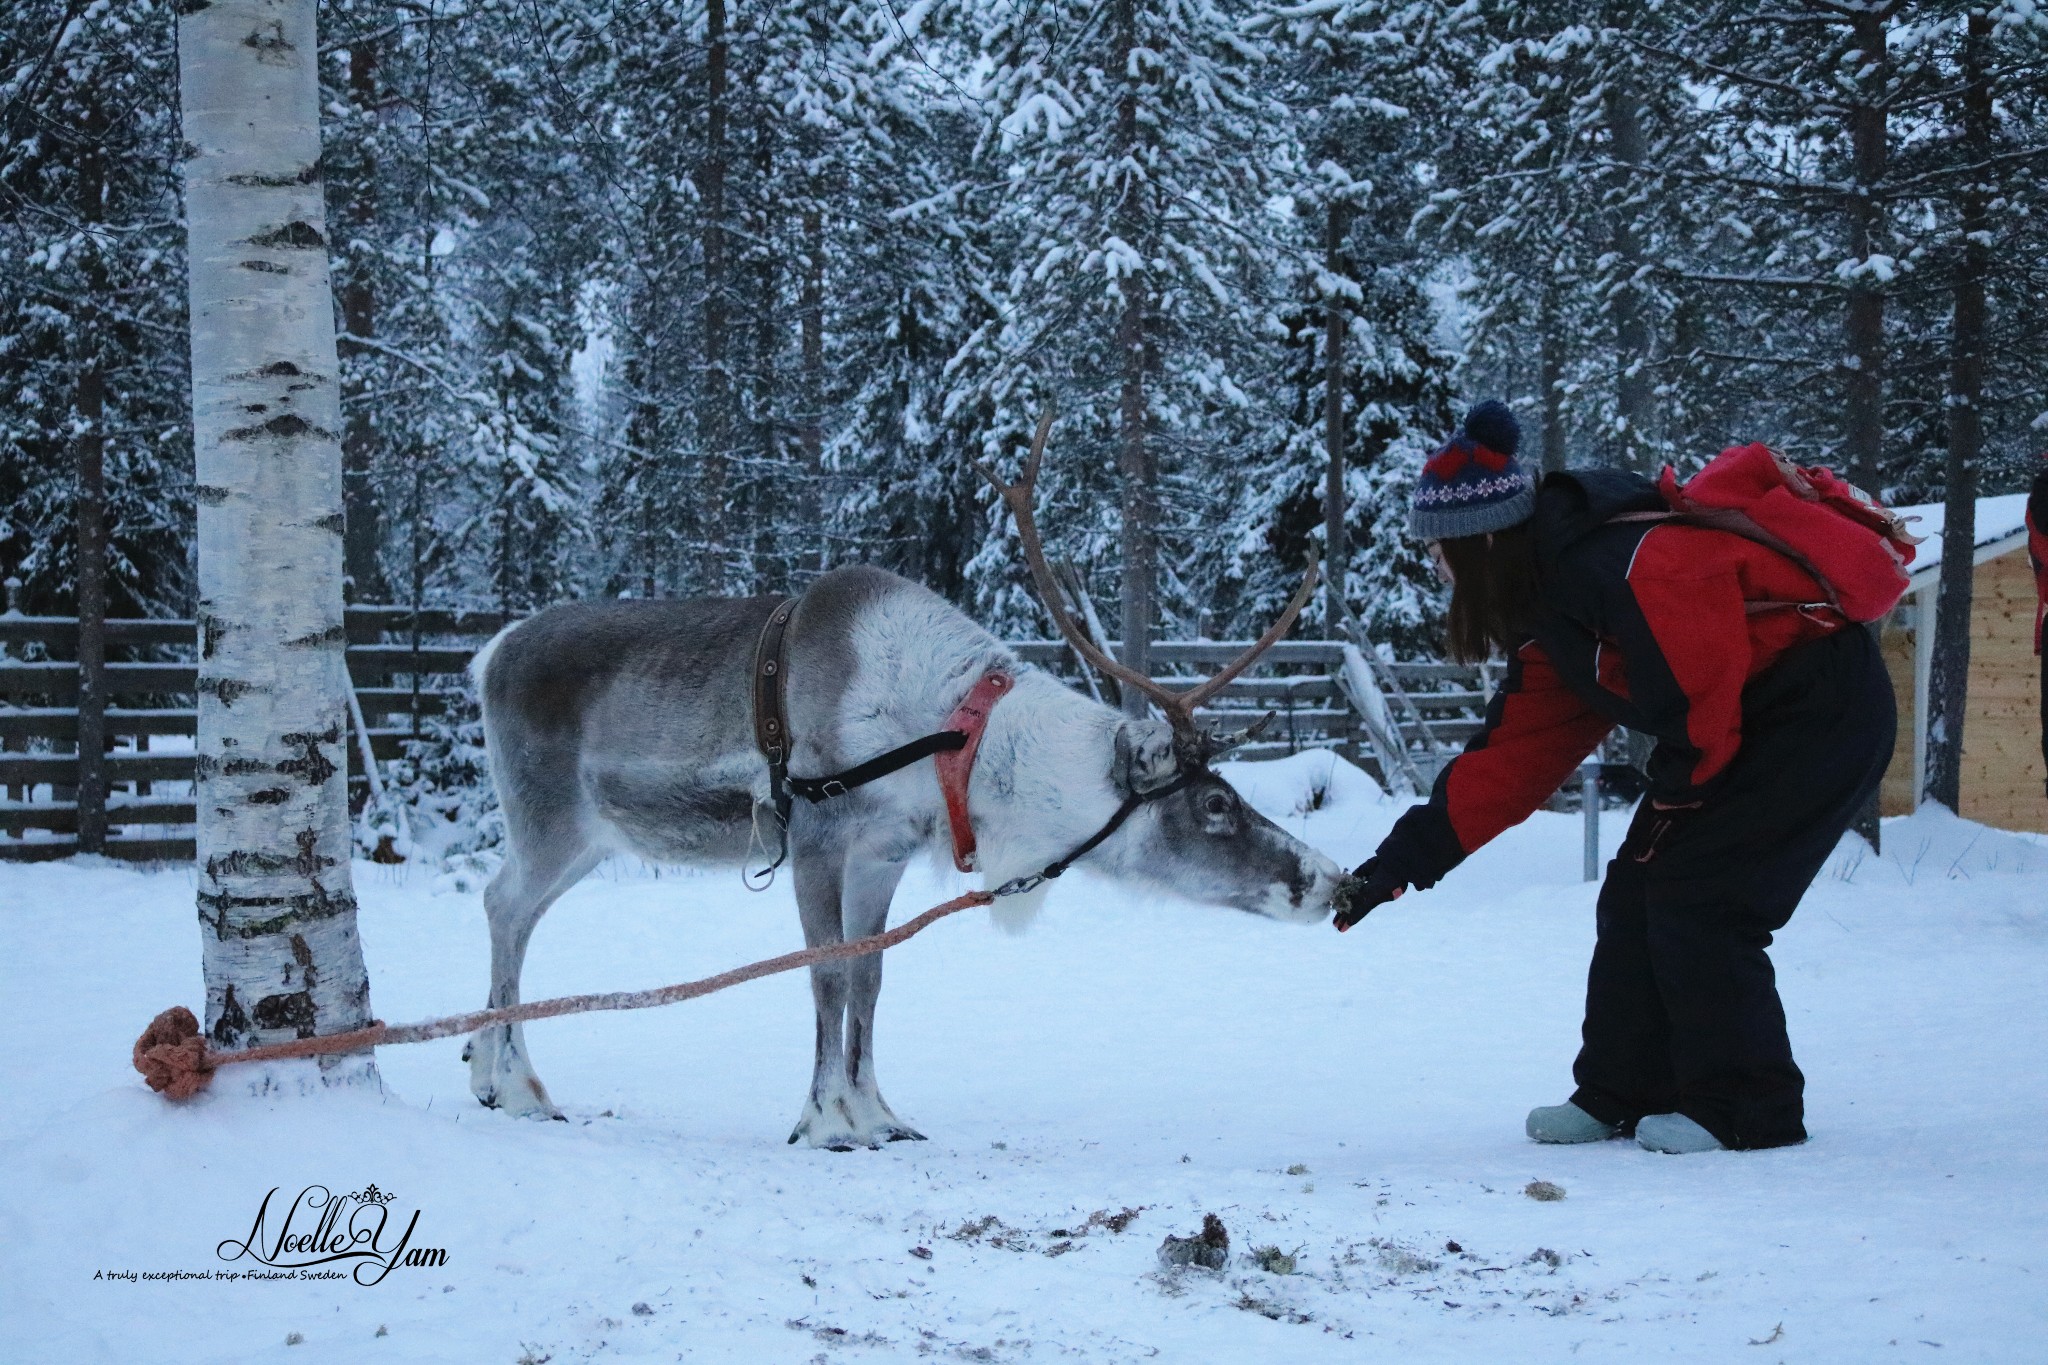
pixel 1369 888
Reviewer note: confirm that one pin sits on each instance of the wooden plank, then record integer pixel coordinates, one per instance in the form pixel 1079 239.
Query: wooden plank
pixel 140 850
pixel 59 680
pixel 1304 687
pixel 1305 723
pixel 1466 675
pixel 173 849
pixel 1264 750
pixel 375 661
pixel 1211 653
pixel 397 701
pixel 37 850
pixel 366 622
pixel 19 770
pixel 1449 701
pixel 61 722
pixel 60 633
pixel 61 817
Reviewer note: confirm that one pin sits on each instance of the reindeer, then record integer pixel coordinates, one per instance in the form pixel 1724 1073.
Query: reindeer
pixel 675 730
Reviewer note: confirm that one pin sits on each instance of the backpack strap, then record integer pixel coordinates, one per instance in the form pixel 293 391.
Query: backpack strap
pixel 1735 524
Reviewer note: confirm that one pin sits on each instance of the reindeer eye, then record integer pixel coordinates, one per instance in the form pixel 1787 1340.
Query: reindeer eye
pixel 1216 803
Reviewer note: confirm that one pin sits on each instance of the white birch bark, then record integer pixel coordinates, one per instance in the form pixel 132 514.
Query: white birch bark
pixel 277 909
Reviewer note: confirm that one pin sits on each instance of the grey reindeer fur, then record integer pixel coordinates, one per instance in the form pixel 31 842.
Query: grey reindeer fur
pixel 628 727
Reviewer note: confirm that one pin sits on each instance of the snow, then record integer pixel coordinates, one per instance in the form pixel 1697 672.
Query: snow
pixel 1354 1101
pixel 1997 518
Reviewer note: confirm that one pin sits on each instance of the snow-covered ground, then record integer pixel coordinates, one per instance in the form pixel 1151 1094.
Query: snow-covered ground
pixel 1355 1102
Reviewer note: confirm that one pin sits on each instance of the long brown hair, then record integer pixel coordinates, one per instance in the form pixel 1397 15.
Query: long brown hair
pixel 1493 592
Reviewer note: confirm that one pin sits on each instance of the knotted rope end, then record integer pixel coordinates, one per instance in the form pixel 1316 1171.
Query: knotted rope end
pixel 171 1055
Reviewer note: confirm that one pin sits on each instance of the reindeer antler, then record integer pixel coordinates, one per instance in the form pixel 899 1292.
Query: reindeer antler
pixel 1179 707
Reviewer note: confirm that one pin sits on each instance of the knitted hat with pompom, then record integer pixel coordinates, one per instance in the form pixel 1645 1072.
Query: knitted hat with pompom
pixel 1474 485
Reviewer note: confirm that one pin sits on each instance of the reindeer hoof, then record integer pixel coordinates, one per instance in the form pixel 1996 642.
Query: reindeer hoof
pixel 501 1078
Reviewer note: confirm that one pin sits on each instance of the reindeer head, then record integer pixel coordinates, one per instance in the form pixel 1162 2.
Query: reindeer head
pixel 1193 834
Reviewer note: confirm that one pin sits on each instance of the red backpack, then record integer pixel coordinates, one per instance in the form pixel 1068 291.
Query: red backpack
pixel 1856 548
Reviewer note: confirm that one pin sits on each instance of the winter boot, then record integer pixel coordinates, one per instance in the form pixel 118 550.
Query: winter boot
pixel 1674 1133
pixel 1567 1123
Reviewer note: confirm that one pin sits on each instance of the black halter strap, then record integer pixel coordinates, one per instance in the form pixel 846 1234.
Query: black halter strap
pixel 816 789
pixel 1033 880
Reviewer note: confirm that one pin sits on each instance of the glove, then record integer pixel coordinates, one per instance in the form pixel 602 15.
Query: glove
pixel 1369 888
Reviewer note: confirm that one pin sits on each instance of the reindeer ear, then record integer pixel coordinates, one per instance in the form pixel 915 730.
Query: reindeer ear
pixel 1144 756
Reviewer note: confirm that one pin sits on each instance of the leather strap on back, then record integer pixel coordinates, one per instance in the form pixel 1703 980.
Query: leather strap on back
pixel 771 719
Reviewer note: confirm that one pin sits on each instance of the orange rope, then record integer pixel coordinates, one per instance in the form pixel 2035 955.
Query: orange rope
pixel 174 1058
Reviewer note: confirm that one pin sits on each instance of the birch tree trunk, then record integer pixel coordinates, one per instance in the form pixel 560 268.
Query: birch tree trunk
pixel 277 910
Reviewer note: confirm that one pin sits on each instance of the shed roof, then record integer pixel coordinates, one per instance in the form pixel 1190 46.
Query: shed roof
pixel 2001 526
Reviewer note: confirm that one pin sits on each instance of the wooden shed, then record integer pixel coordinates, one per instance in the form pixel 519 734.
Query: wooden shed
pixel 2002 772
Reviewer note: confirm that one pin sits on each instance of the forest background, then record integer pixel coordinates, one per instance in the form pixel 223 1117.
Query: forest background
pixel 643 298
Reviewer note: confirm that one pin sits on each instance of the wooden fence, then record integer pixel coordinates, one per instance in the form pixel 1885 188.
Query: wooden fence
pixel 407 666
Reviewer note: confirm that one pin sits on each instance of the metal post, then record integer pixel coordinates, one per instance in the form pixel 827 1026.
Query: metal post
pixel 1589 797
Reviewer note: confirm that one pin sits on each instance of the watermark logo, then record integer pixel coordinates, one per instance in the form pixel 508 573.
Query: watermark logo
pixel 318 1234
pixel 314 1235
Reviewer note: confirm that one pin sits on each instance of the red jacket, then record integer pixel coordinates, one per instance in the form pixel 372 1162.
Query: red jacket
pixel 1643 625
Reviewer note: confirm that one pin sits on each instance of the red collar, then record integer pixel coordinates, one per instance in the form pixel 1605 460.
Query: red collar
pixel 957 765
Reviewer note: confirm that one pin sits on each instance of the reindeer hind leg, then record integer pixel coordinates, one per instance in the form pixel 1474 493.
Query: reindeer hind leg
pixel 534 876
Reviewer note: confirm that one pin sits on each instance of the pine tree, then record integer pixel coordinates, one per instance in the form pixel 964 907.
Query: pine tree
pixel 1362 83
pixel 91 286
pixel 1138 161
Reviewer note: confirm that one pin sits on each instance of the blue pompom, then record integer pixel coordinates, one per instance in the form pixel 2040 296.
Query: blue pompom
pixel 1493 426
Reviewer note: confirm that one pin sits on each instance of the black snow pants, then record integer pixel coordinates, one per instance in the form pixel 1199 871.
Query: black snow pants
pixel 1682 1008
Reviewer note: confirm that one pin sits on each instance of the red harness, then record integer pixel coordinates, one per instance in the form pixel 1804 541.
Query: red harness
pixel 957 765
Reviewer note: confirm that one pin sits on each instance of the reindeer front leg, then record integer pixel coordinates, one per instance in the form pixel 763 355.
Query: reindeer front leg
pixel 841 896
pixel 864 907
pixel 818 873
